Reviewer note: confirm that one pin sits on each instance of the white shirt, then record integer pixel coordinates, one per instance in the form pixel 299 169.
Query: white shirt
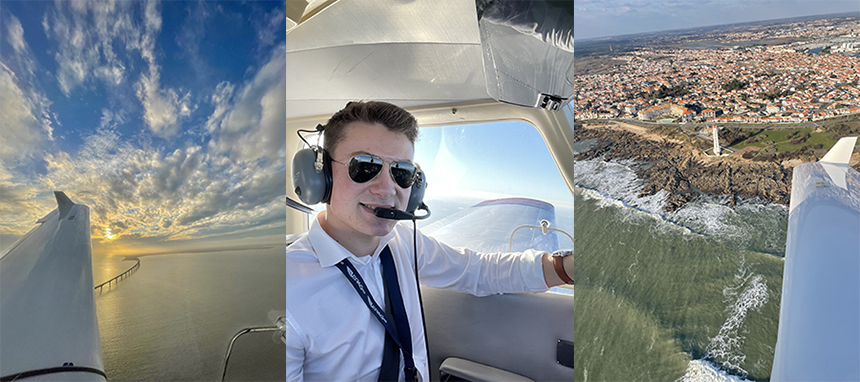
pixel 331 334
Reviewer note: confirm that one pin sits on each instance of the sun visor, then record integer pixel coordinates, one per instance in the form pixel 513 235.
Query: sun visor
pixel 528 51
pixel 424 52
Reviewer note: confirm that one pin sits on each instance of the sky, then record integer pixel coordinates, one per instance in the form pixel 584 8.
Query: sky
pixel 602 18
pixel 165 118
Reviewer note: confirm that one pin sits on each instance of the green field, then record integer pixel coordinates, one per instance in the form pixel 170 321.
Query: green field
pixel 781 140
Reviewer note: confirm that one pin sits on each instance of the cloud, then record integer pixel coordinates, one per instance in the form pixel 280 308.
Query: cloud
pixel 88 34
pixel 15 35
pixel 139 191
pixel 270 27
pixel 163 108
pixel 25 119
pixel 252 126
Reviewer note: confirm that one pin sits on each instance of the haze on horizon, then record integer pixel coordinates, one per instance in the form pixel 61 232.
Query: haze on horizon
pixel 607 18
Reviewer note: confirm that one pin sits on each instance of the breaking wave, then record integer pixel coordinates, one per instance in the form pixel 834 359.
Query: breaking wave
pixel 749 224
pixel 726 348
pixel 704 371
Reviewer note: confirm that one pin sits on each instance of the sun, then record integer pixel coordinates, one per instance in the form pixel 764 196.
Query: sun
pixel 108 234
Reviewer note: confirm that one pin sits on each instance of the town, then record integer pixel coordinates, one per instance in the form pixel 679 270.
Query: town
pixel 791 73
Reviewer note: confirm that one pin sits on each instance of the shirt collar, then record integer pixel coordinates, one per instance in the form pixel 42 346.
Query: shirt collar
pixel 330 252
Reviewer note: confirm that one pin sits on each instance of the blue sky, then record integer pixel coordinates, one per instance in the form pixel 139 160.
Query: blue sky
pixel 166 118
pixel 600 18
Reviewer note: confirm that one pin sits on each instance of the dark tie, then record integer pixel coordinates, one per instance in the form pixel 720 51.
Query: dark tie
pixel 401 320
pixel 390 369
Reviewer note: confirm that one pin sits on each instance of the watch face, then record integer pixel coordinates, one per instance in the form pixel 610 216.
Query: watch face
pixel 563 252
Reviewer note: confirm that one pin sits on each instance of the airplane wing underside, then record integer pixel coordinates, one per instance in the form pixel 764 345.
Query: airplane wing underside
pixel 47 307
pixel 819 320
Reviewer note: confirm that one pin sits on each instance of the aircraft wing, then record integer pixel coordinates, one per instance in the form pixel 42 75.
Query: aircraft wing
pixel 48 324
pixel 513 337
pixel 490 226
pixel 819 318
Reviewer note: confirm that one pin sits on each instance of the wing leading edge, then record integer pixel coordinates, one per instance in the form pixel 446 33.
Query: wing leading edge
pixel 819 320
pixel 47 308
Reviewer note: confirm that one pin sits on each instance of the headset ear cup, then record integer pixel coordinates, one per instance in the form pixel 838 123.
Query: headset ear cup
pixel 417 195
pixel 310 185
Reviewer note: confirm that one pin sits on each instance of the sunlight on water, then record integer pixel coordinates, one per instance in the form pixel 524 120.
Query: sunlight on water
pixel 173 318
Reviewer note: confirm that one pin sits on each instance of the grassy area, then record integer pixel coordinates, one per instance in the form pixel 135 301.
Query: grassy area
pixel 595 65
pixel 781 139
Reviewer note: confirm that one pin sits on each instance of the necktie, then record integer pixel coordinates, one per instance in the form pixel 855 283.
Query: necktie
pixel 401 320
pixel 390 369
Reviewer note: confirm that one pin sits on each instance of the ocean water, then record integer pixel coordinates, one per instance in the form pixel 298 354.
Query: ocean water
pixel 689 295
pixel 173 319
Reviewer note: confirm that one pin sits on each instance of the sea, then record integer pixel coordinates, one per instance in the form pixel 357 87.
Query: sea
pixel 174 317
pixel 686 295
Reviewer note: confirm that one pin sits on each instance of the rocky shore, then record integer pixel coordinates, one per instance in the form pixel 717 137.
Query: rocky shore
pixel 681 171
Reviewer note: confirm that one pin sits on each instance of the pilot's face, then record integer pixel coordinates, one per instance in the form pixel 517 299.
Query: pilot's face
pixel 350 211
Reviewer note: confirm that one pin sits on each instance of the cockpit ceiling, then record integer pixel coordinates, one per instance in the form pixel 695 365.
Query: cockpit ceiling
pixel 411 53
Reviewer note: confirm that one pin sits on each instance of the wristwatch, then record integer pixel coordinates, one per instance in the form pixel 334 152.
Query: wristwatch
pixel 557 263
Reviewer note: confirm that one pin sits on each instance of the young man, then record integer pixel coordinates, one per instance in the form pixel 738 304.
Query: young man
pixel 333 334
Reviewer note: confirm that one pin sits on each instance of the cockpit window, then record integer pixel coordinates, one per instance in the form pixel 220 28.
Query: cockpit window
pixel 470 164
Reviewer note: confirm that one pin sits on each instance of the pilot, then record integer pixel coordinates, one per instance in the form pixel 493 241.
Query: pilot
pixel 347 318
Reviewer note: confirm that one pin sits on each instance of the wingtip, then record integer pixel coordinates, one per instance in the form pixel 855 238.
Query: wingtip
pixel 62 199
pixel 64 204
pixel 840 153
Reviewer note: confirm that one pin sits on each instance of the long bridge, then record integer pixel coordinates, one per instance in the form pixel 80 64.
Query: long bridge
pixel 120 277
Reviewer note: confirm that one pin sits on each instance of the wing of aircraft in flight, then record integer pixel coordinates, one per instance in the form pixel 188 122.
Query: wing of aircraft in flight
pixel 492 226
pixel 819 318
pixel 518 337
pixel 47 306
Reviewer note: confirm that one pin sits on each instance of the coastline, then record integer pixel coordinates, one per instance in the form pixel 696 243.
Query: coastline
pixel 681 170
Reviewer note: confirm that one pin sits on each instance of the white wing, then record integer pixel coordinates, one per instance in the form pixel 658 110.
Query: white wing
pixel 48 322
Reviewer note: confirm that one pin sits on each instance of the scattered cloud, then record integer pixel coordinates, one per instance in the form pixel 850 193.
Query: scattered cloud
pixel 25 118
pixel 252 126
pixel 140 189
pixel 15 34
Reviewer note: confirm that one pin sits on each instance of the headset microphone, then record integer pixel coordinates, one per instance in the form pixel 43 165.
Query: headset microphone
pixel 387 213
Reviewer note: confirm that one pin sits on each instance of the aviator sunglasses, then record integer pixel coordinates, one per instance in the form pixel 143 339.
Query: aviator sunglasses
pixel 363 168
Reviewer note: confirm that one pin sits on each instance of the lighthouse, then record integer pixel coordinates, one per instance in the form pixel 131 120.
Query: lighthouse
pixel 716 140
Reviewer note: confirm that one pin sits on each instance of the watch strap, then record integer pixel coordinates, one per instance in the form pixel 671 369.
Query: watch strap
pixel 557 262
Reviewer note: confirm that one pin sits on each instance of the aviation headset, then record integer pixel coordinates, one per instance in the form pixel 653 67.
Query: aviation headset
pixel 313 182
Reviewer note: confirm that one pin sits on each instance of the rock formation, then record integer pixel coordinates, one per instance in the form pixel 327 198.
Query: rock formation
pixel 678 169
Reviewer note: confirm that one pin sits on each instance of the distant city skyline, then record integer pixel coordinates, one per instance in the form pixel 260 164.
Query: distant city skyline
pixel 605 18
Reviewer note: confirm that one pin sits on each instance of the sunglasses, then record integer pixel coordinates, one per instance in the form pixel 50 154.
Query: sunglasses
pixel 364 168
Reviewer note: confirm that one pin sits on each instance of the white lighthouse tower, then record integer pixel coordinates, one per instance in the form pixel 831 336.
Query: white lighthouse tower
pixel 716 140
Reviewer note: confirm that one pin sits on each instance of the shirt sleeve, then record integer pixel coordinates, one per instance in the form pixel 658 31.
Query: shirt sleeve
pixel 480 274
pixel 295 353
